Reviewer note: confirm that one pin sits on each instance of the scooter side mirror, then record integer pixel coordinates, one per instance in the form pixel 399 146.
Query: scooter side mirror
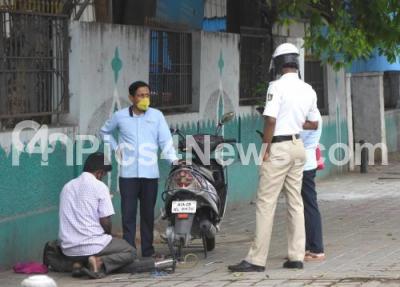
pixel 260 110
pixel 227 117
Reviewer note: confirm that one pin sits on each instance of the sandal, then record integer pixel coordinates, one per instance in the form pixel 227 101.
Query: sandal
pixel 93 272
pixel 314 257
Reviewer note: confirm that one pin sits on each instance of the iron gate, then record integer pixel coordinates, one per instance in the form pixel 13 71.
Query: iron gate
pixel 256 48
pixel 33 65
pixel 255 55
pixel 171 70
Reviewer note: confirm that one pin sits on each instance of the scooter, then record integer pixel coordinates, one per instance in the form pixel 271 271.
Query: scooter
pixel 195 194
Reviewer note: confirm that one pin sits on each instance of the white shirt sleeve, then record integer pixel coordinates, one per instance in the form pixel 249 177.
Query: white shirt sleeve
pixel 273 102
pixel 314 115
pixel 106 207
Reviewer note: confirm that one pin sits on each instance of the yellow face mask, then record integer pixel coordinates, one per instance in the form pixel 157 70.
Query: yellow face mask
pixel 143 104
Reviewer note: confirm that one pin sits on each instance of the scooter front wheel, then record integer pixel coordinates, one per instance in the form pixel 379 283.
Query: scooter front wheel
pixel 208 244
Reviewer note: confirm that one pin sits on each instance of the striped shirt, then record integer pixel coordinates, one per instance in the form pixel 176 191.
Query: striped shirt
pixel 83 201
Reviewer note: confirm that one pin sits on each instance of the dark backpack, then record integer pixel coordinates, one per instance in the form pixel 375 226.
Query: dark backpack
pixel 54 259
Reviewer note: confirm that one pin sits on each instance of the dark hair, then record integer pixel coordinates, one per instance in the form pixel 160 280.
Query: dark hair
pixel 286 61
pixel 290 65
pixel 136 85
pixel 96 162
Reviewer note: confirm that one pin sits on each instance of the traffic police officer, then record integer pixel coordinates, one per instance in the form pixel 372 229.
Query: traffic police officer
pixel 290 104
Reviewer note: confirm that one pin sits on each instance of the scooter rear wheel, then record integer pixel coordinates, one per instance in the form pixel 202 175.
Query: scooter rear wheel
pixel 179 254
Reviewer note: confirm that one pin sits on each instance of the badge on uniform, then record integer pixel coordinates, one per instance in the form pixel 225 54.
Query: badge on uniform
pixel 269 97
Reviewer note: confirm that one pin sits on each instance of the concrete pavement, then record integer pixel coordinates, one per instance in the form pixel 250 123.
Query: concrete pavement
pixel 361 222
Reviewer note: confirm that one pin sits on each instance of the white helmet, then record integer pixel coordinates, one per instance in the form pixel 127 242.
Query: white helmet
pixel 39 281
pixel 284 54
pixel 285 48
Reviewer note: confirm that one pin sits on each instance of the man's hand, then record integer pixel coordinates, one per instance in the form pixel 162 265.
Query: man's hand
pixel 308 125
pixel 106 223
pixel 269 128
pixel 266 156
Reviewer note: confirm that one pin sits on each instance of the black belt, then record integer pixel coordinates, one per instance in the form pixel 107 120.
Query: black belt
pixel 277 139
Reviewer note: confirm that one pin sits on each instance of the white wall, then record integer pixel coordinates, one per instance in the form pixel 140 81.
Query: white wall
pixel 93 90
pixel 209 85
pixel 92 83
pixel 218 47
pixel 336 89
pixel 26 134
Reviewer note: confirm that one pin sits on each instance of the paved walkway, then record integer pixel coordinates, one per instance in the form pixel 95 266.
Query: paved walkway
pixel 361 220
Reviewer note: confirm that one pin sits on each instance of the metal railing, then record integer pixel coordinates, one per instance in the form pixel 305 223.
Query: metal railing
pixel 391 89
pixel 76 9
pixel 33 65
pixel 171 70
pixel 255 55
pixel 35 6
pixel 314 74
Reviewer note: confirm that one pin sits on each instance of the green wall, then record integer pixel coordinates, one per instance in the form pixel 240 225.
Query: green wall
pixel 333 132
pixel 28 207
pixel 29 193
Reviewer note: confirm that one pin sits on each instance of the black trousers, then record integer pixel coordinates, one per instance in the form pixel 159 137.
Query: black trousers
pixel 144 190
pixel 312 216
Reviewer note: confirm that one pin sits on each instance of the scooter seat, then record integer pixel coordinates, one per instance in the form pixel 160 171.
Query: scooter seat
pixel 206 172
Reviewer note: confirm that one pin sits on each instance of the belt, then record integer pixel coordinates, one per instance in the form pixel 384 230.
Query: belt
pixel 277 139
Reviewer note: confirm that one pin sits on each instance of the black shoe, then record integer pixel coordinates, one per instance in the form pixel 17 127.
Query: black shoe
pixel 92 274
pixel 245 266
pixel 293 264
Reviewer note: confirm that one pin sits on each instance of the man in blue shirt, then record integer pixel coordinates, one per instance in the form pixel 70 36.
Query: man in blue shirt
pixel 141 132
pixel 312 216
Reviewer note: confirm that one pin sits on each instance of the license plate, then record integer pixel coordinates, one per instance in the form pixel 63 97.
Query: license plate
pixel 187 206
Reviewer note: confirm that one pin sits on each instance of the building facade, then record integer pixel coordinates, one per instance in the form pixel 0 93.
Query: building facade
pixel 198 67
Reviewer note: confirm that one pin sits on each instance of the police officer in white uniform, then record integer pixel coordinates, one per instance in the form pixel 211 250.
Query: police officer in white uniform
pixel 290 104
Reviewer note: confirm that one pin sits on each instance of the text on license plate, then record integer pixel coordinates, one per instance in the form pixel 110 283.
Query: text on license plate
pixel 187 206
